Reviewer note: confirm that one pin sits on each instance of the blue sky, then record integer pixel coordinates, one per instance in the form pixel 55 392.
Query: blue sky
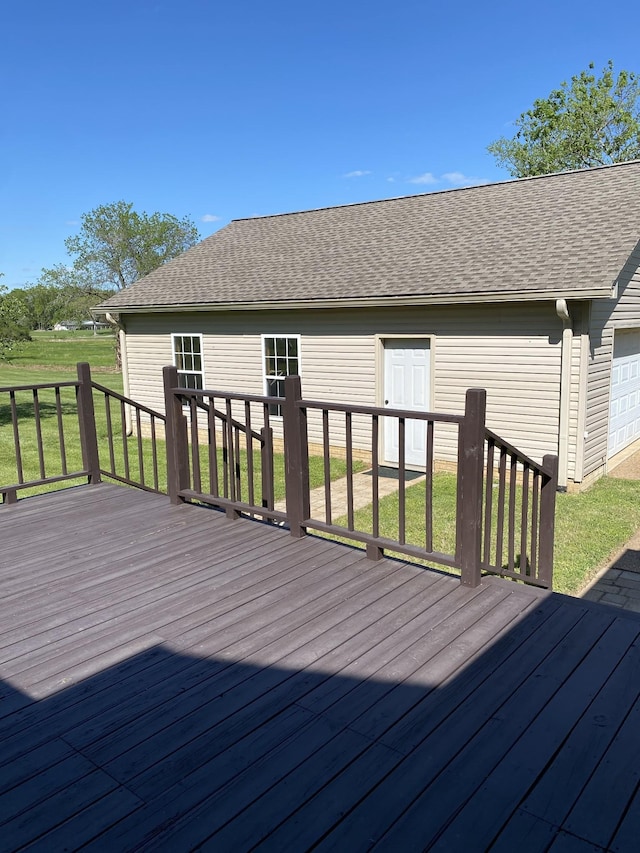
pixel 223 110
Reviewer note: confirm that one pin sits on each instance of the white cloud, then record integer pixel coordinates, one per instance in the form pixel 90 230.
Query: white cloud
pixel 72 222
pixel 458 179
pixel 391 180
pixel 210 217
pixel 358 173
pixel 426 178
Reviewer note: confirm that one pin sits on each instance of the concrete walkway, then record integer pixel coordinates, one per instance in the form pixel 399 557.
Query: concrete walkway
pixel 618 584
pixel 362 494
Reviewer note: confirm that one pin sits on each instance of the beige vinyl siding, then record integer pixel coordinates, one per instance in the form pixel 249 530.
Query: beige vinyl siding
pixel 606 316
pixel 512 351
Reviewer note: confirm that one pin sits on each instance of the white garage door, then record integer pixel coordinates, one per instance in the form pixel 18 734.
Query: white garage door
pixel 624 419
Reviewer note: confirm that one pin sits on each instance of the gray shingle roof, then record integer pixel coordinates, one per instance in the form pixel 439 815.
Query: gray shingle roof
pixel 567 231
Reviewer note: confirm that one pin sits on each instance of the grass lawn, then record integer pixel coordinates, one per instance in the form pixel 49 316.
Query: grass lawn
pixel 52 351
pixel 590 526
pixel 51 357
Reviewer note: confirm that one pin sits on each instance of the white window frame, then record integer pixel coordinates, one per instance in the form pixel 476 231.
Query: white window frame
pixel 182 371
pixel 268 376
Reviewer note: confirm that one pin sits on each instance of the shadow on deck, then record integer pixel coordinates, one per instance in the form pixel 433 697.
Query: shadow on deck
pixel 172 679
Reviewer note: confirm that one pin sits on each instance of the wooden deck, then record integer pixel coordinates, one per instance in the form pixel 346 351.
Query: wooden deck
pixel 172 679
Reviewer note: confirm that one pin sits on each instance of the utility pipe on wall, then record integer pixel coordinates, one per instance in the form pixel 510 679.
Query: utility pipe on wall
pixel 126 390
pixel 562 311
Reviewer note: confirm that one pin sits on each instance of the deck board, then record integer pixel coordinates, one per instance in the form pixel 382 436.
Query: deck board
pixel 173 679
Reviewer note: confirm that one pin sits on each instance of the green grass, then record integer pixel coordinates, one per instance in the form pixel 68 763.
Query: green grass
pixel 52 357
pixel 590 526
pixel 53 352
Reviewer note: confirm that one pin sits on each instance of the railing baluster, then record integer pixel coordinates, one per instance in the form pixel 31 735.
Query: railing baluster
pixel 154 454
pixel 502 479
pixel 327 465
pixel 61 441
pixel 428 489
pixel 348 432
pixel 231 459
pixel 112 457
pixel 524 518
pixel 195 444
pixel 249 443
pixel 125 442
pixel 266 456
pixel 375 474
pixel 513 470
pixel 38 425
pixel 535 510
pixel 238 469
pixel 225 458
pixel 16 436
pixel 140 453
pixel 488 503
pixel 401 481
pixel 213 447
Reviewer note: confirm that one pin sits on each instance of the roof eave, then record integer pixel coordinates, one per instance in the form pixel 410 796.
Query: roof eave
pixel 371 302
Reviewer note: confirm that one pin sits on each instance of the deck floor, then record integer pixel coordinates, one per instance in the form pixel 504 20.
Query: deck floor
pixel 173 680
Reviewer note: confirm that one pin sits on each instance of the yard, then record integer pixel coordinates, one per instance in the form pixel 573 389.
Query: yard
pixel 589 526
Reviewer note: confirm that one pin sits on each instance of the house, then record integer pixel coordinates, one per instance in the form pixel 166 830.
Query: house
pixel 74 325
pixel 528 288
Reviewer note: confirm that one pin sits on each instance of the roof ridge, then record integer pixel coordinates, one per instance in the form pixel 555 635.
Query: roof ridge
pixel 439 192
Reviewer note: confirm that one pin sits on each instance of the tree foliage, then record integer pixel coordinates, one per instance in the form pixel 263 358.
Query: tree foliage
pixel 116 245
pixel 13 326
pixel 591 121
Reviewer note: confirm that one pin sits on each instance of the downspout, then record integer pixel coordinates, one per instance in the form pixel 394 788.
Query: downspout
pixel 565 393
pixel 125 370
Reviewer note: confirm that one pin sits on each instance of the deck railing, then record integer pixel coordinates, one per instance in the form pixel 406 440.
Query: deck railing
pixel 216 458
pixel 38 461
pixel 133 458
pixel 220 450
pixel 74 448
pixel 509 534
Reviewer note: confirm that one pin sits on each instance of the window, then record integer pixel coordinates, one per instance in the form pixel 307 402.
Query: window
pixel 281 358
pixel 187 357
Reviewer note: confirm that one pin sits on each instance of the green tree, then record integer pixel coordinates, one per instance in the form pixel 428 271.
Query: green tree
pixel 64 293
pixel 591 121
pixel 116 246
pixel 13 325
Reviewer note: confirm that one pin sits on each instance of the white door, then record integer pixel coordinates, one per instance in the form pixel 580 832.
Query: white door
pixel 624 415
pixel 407 370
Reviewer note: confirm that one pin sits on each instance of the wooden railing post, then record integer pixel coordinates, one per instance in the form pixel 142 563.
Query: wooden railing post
pixel 177 443
pixel 296 457
pixel 87 424
pixel 470 481
pixel 547 520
